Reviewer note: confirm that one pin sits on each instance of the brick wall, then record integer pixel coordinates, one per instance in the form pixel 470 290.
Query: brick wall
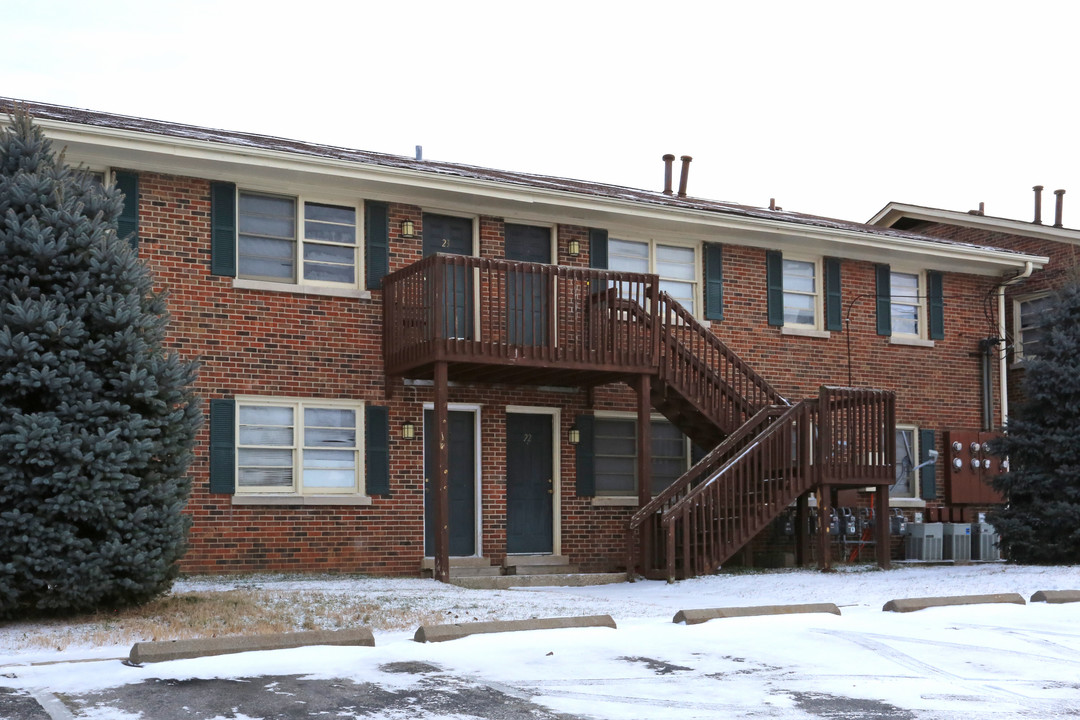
pixel 254 342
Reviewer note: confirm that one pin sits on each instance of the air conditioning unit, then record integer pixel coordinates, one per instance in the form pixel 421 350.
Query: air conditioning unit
pixel 923 541
pixel 984 542
pixel 956 541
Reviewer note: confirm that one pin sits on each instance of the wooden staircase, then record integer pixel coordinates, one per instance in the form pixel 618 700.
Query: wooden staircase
pixel 766 451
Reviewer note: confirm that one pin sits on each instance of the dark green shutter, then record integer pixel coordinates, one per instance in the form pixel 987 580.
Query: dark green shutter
pixel 598 257
pixel 927 474
pixel 834 302
pixel 935 305
pixel 884 300
pixel 714 281
pixel 222 446
pixel 586 456
pixel 377 450
pixel 774 282
pixel 223 229
pixel 127 225
pixel 376 242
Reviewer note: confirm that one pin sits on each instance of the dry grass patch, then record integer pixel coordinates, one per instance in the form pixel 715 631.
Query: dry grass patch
pixel 231 612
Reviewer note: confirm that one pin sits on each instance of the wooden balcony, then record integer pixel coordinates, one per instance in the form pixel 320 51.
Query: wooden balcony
pixel 502 321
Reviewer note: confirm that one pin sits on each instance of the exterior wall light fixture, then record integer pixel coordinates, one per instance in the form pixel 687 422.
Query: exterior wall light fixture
pixel 574 248
pixel 408 431
pixel 408 230
pixel 574 436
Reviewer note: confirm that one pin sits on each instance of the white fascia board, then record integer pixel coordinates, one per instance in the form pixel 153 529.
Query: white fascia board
pixel 888 215
pixel 220 161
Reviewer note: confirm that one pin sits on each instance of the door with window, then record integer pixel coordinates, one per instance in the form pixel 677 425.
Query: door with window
pixel 528 295
pixel 462 482
pixel 530 488
pixel 454 236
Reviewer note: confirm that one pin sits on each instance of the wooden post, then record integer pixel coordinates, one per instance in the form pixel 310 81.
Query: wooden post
pixel 441 476
pixel 802 530
pixel 824 508
pixel 644 442
pixel 883 546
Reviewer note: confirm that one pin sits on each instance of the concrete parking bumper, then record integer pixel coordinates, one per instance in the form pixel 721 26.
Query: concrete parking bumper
pixel 1056 596
pixel 694 617
pixel 150 652
pixel 442 633
pixel 913 604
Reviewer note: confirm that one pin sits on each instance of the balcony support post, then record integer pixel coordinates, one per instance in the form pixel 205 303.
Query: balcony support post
pixel 883 545
pixel 802 529
pixel 441 476
pixel 824 508
pixel 644 440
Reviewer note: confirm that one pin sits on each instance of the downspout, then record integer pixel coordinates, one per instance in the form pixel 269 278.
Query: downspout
pixel 1003 363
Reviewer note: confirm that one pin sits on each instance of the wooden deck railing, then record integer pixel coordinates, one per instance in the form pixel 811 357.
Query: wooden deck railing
pixel 456 308
pixel 857 436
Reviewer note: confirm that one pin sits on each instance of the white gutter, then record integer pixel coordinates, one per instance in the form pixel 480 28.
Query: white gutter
pixel 1003 363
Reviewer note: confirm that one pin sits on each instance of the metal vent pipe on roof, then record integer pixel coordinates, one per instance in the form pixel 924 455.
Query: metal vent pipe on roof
pixel 1060 202
pixel 1038 204
pixel 419 152
pixel 685 173
pixel 668 160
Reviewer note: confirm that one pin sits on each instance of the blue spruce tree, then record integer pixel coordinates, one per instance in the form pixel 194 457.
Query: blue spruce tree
pixel 97 420
pixel 1040 524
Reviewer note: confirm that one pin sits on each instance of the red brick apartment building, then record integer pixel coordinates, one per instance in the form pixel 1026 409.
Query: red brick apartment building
pixel 405 358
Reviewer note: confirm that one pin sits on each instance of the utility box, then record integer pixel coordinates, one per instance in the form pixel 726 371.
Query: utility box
pixel 970 468
pixel 956 541
pixel 923 541
pixel 984 542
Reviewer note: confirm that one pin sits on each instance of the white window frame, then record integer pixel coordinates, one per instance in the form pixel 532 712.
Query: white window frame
pixel 298 447
pixel 695 282
pixel 298 280
pixel 919 304
pixel 913 480
pixel 606 497
pixel 818 294
pixel 1018 331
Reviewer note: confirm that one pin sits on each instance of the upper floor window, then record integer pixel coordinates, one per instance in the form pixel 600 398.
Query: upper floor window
pixel 297 447
pixel 801 293
pixel 1029 324
pixel 675 264
pixel 907 305
pixel 286 239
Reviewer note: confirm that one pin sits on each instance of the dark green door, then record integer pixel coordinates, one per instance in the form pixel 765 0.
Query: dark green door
pixel 527 295
pixel 462 483
pixel 529 484
pixel 453 235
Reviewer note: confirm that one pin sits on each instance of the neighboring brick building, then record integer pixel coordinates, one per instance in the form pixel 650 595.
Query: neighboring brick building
pixel 277 255
pixel 1024 302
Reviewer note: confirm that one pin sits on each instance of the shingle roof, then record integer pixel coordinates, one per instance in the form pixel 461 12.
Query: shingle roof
pixel 520 179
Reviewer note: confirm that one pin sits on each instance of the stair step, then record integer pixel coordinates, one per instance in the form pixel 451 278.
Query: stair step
pixel 520 570
pixel 522 560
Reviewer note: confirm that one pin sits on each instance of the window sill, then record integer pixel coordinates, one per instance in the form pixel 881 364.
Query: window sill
pixel 615 501
pixel 805 332
pixel 301 500
pixel 244 284
pixel 911 341
pixel 901 502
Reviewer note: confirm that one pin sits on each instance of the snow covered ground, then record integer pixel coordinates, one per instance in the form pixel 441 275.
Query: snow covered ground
pixel 987 661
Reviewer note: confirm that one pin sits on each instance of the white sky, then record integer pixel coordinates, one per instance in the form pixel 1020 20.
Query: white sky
pixel 833 108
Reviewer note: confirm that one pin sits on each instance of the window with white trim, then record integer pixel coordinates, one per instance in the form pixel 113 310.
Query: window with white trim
pixel 907 304
pixel 675 264
pixel 907 458
pixel 292 240
pixel 802 293
pixel 615 455
pixel 1029 318
pixel 298 447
